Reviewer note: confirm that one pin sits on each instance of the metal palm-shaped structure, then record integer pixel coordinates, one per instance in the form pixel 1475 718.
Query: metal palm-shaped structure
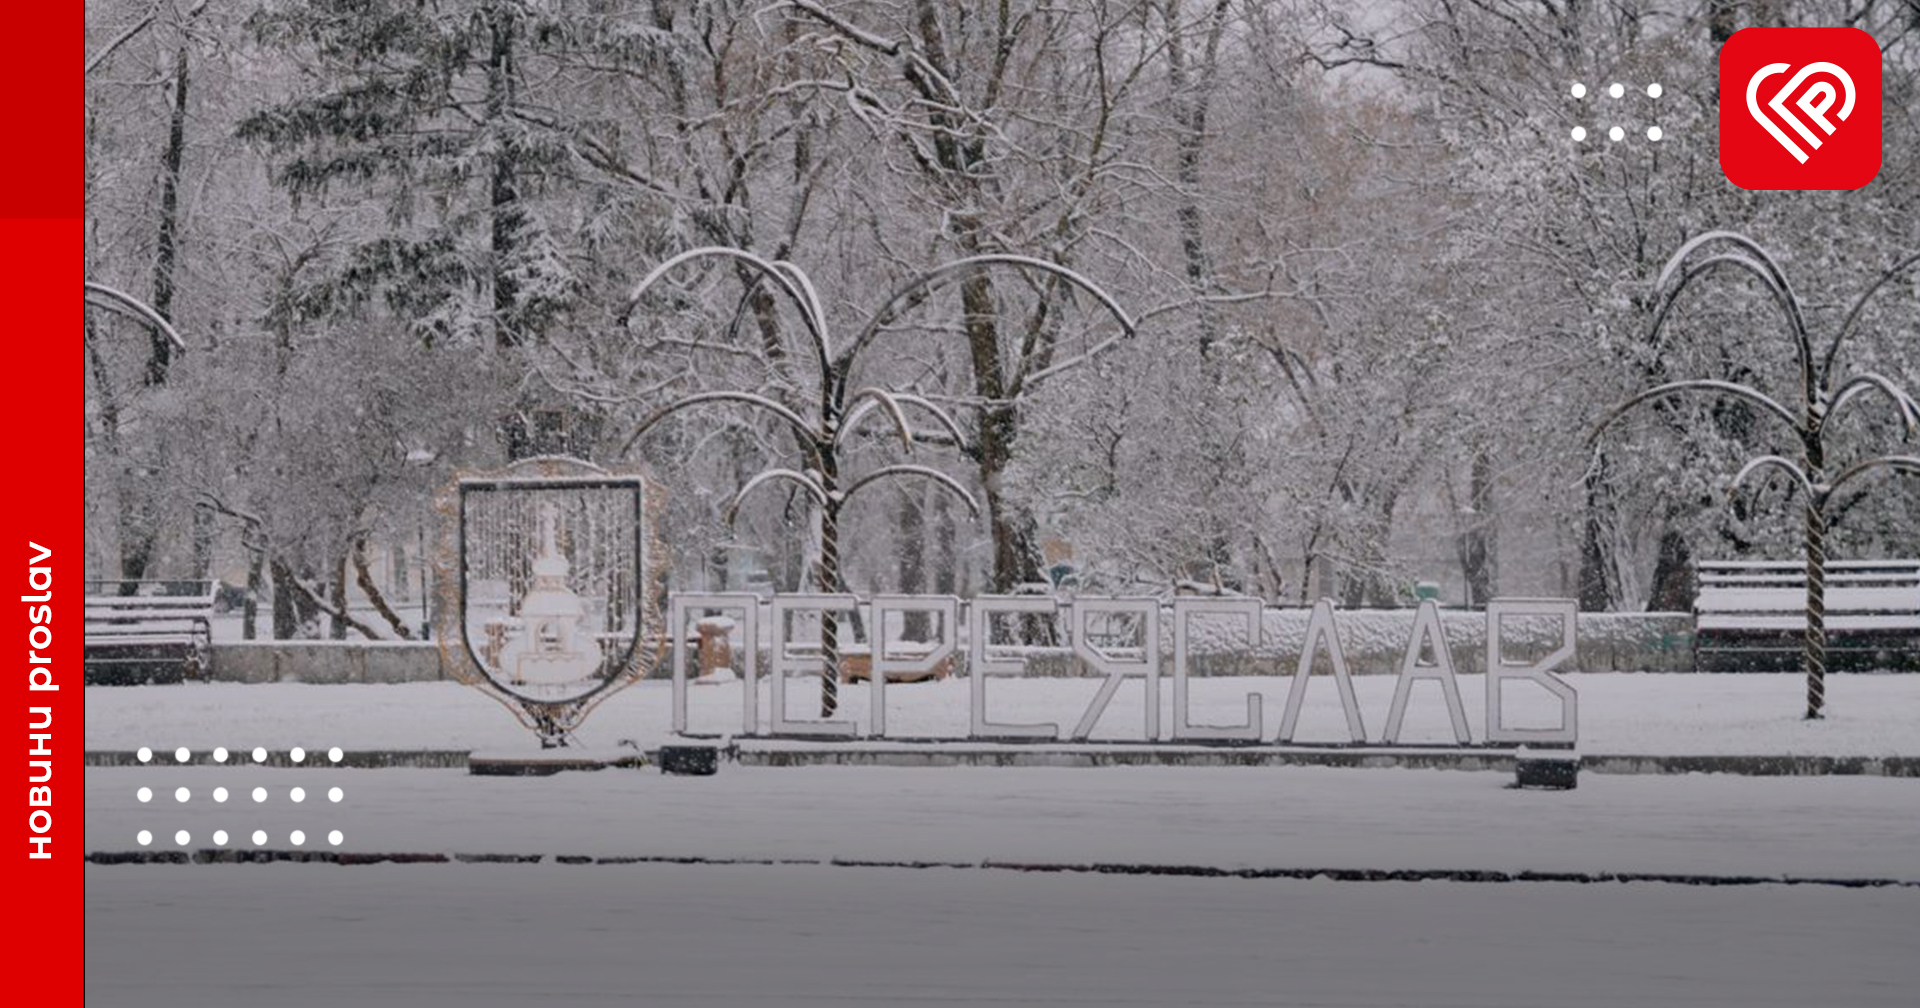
pixel 102 296
pixel 1824 395
pixel 839 408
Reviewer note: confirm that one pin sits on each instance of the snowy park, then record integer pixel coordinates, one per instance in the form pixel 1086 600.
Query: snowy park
pixel 921 502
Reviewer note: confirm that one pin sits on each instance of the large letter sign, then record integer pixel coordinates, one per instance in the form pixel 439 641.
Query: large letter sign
pixel 786 663
pixel 1427 631
pixel 947 610
pixel 981 666
pixel 1118 640
pixel 747 659
pixel 1500 671
pixel 1184 609
pixel 1146 615
pixel 1320 627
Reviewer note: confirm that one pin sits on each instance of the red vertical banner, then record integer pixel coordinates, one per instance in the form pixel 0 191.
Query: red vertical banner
pixel 42 517
pixel 40 227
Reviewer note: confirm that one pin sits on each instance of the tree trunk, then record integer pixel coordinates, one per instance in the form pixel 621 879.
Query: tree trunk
pixel 203 534
pixel 503 186
pixel 364 578
pixel 1477 543
pixel 286 619
pixel 910 526
pixel 946 564
pixel 250 606
pixel 337 624
pixel 1672 574
pixel 131 519
pixel 1595 596
pixel 1192 92
pixel 137 526
pixel 160 354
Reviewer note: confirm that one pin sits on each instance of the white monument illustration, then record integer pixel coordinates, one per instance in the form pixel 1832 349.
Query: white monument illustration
pixel 549 648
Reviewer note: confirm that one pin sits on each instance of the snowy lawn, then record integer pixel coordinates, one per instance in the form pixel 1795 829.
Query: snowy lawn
pixel 1620 713
pixel 474 936
pixel 1227 817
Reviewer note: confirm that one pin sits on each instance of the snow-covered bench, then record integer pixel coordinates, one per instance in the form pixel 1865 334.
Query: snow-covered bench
pixel 148 631
pixel 1750 615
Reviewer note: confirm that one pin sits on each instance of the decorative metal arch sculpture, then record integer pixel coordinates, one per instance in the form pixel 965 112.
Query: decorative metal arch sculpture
pixel 1823 395
pixel 841 408
pixel 103 296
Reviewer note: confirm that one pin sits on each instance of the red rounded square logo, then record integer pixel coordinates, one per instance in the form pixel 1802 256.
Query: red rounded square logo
pixel 1800 108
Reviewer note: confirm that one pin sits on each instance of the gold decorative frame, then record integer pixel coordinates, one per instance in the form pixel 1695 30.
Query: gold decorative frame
pixel 553 721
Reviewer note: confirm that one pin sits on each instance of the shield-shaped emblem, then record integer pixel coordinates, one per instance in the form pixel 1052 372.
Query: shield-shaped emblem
pixel 549 587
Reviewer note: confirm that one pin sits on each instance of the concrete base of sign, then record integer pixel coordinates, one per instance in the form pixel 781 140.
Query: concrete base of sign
pixel 1549 771
pixel 546 762
pixel 1025 755
pixel 689 760
pixel 773 752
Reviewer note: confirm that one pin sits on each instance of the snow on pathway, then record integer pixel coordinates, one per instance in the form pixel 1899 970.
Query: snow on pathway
pixel 1230 817
pixel 476 936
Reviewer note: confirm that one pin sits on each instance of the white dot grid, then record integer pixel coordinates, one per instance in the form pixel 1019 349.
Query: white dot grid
pixel 220 794
pixel 1615 90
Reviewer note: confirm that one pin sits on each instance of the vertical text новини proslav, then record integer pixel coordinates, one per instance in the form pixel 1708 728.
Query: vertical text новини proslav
pixel 39 601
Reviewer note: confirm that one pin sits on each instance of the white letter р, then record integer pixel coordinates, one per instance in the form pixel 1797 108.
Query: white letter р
pixel 1815 103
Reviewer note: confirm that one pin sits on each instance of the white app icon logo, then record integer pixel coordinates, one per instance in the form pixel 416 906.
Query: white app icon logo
pixel 1814 103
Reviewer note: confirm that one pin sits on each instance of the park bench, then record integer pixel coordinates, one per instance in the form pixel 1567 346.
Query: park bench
pixel 1750 615
pixel 148 631
pixel 856 665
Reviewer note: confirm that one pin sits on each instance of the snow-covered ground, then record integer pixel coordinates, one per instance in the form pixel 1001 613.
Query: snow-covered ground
pixel 1227 817
pixel 1620 713
pixel 812 933
pixel 475 936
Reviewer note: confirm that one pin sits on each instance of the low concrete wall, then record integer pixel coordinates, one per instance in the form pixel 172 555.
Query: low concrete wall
pixel 328 662
pixel 1374 641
